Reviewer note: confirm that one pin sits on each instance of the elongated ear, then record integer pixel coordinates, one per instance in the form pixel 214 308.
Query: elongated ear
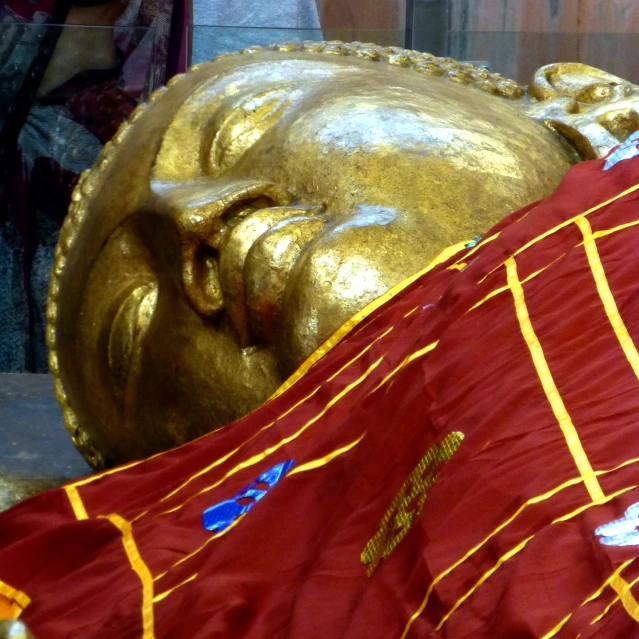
pixel 593 110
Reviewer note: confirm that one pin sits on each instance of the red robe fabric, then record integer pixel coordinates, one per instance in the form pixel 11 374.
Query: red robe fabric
pixel 523 344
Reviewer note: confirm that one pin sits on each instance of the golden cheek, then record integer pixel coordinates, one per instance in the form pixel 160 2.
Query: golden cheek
pixel 127 332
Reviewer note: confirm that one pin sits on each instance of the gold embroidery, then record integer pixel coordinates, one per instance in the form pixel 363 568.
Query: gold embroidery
pixel 409 502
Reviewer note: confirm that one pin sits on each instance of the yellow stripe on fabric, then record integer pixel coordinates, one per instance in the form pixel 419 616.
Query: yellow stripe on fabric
pixel 503 289
pixel 346 328
pixel 568 222
pixel 603 586
pixel 621 227
pixel 322 461
pixel 622 588
pixel 15 595
pixel 140 569
pixel 476 248
pixel 77 504
pixel 226 457
pixel 504 558
pixel 548 383
pixel 617 598
pixel 411 311
pixel 598 502
pixel 260 456
pixel 532 501
pixel 606 296
pixel 407 360
pixel 557 628
pixel 312 465
pixel 606 610
pixel 202 547
pixel 166 593
pixel 317 463
pixel 341 370
pixel 563 518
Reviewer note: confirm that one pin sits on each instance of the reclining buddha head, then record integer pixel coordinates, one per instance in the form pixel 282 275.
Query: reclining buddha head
pixel 249 209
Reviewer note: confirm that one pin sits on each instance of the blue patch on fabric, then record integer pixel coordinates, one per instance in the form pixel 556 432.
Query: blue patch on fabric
pixel 219 517
pixel 621 532
pixel 472 243
pixel 628 150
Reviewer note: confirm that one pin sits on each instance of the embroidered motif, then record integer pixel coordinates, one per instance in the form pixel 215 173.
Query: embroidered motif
pixel 219 517
pixel 628 150
pixel 621 532
pixel 409 502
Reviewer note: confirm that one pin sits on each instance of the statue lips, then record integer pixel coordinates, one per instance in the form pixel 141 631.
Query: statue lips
pixel 271 264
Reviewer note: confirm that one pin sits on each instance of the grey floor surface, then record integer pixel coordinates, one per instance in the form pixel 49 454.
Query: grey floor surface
pixel 33 439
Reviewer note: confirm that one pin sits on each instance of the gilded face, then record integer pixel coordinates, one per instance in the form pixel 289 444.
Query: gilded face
pixel 252 209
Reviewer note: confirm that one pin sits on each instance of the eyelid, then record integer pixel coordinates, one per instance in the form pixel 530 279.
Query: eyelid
pixel 241 124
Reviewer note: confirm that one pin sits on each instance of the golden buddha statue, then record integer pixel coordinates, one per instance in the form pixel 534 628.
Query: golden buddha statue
pixel 250 208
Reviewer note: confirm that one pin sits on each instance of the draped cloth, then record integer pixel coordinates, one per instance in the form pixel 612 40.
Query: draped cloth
pixel 461 462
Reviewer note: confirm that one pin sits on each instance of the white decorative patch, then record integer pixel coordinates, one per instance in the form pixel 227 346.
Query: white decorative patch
pixel 629 149
pixel 621 532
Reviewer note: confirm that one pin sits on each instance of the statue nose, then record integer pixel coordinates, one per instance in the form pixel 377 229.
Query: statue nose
pixel 204 212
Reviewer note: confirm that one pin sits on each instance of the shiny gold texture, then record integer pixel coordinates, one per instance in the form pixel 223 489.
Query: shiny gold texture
pixel 247 210
pixel 409 502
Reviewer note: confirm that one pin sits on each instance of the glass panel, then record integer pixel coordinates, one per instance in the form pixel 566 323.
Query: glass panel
pixel 54 63
pixel 64 91
pixel 518 55
pixel 211 41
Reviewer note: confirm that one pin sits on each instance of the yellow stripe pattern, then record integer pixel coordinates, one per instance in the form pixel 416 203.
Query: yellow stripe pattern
pixel 348 326
pixel 166 593
pixel 263 455
pixel 141 570
pixel 557 628
pixel 76 502
pixel 550 389
pixel 407 360
pixel 19 600
pixel 322 461
pixel 607 297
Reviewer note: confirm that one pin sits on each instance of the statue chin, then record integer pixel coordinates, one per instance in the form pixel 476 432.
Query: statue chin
pixel 252 207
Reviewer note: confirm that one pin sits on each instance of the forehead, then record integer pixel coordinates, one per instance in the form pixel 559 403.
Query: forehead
pixel 237 105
